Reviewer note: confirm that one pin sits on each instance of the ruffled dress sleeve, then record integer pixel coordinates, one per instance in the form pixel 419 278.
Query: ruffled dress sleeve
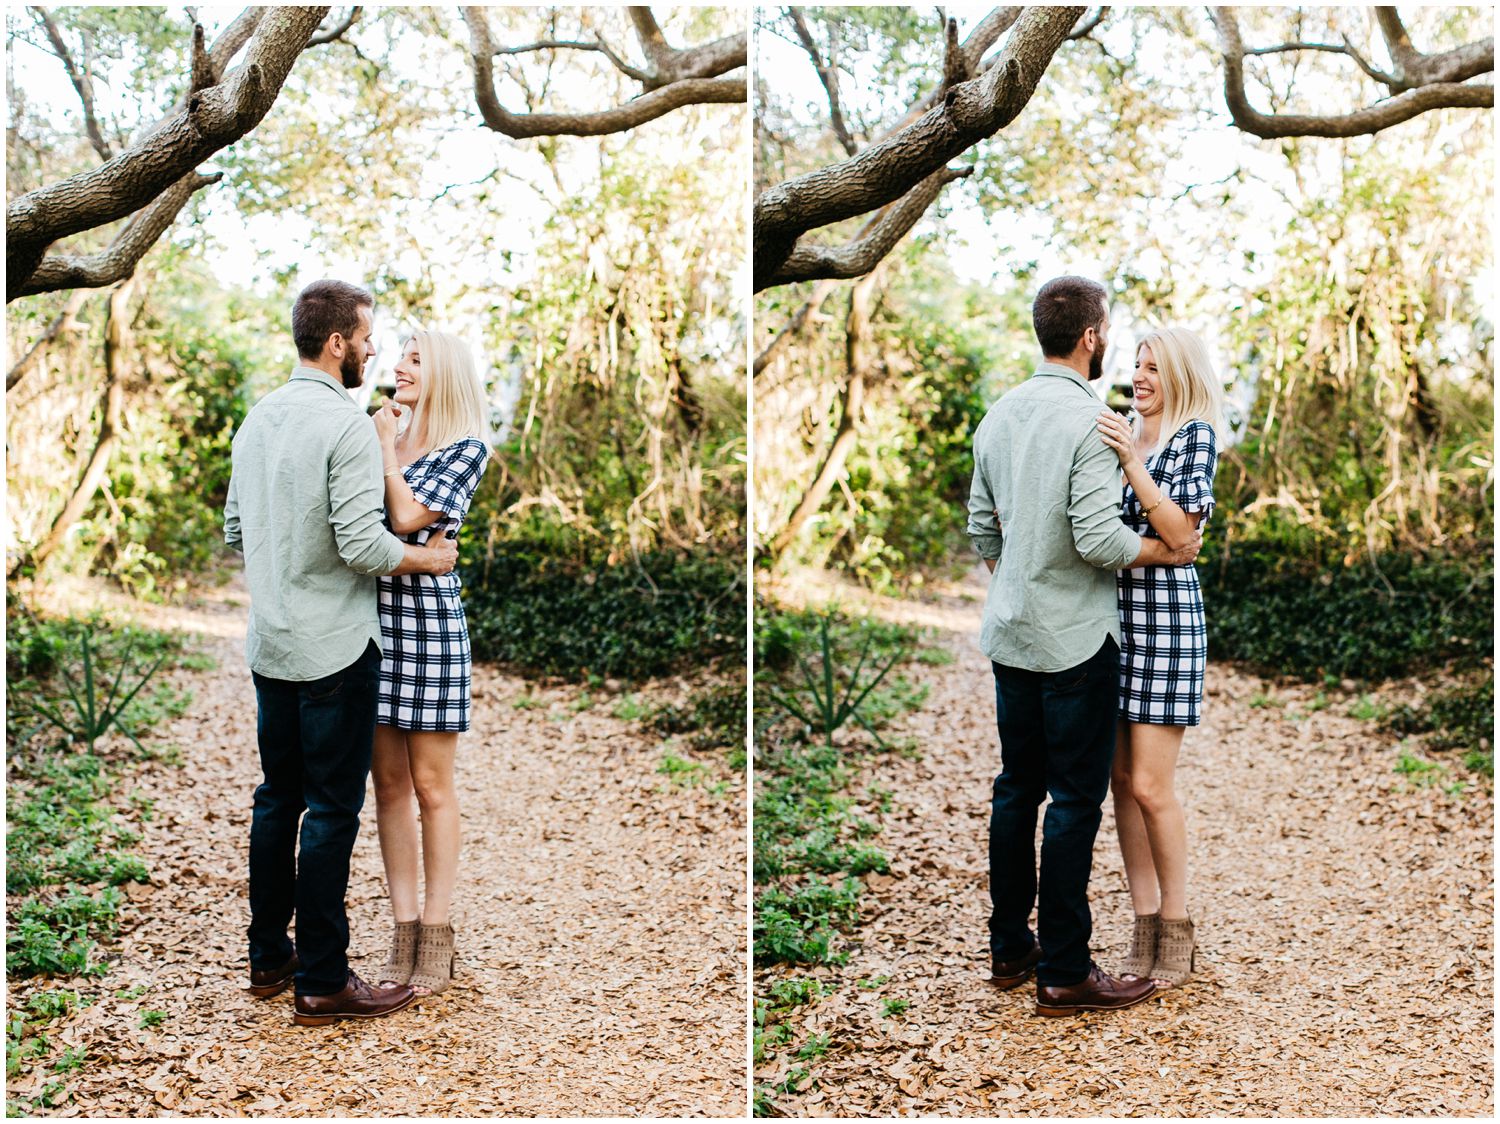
pixel 1192 485
pixel 448 482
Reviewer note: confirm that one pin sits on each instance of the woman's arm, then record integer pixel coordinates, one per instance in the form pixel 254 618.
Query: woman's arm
pixel 1176 527
pixel 401 507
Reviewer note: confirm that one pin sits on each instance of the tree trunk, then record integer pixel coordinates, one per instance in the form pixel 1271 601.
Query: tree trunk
pixel 117 342
pixel 858 349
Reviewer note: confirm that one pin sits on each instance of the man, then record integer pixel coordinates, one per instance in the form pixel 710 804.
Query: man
pixel 1045 506
pixel 305 507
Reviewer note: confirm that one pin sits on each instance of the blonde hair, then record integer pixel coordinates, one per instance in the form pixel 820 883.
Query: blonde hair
pixel 1189 388
pixel 451 405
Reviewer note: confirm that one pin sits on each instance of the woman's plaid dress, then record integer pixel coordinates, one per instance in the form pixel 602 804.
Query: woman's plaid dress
pixel 1163 637
pixel 424 668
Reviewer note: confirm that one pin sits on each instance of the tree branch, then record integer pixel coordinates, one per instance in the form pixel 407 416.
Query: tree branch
pixel 793 326
pixel 1083 30
pixel 81 80
pixel 886 171
pixel 65 321
pixel 829 76
pixel 337 31
pixel 858 257
pixel 212 118
pixel 118 260
pixel 647 107
pixel 1371 119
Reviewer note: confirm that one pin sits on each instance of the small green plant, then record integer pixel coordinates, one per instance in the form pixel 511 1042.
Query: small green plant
pixel 796 991
pixel 815 1046
pixel 830 707
pixel 1419 771
pixel 680 770
pixel 630 708
pixel 93 709
pixel 151 1019
pixel 72 1058
pixel 872 983
pixel 133 992
pixel 890 1008
pixel 1261 701
pixel 1367 709
pixel 527 702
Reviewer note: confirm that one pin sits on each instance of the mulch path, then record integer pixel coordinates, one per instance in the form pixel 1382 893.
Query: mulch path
pixel 1344 919
pixel 600 920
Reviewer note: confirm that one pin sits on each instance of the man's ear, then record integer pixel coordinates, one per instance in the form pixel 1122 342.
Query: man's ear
pixel 336 345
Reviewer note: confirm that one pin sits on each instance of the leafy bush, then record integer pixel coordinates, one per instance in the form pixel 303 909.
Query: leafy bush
pixel 1370 620
pixel 558 615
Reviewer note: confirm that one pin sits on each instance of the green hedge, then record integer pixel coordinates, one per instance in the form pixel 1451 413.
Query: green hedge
pixel 1381 619
pixel 542 612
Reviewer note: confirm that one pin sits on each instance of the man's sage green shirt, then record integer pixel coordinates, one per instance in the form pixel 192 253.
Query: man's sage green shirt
pixel 1040 462
pixel 306 504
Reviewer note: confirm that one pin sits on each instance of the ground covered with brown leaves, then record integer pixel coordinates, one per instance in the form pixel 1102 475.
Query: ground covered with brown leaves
pixel 1344 918
pixel 600 919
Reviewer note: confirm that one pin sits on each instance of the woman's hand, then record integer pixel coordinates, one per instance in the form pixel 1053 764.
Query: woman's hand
pixel 1117 434
pixel 385 421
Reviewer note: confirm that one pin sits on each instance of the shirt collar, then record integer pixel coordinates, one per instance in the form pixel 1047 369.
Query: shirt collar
pixel 1057 370
pixel 312 374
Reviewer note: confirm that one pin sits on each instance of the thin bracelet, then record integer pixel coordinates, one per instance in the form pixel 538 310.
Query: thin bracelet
pixel 393 471
pixel 1148 510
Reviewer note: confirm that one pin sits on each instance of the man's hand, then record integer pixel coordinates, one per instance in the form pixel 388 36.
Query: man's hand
pixel 1184 555
pixel 443 555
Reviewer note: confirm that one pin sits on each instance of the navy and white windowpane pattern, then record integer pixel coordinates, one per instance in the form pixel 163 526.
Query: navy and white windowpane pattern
pixel 424 668
pixel 1163 636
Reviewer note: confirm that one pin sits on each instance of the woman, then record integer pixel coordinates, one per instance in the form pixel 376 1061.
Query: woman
pixel 1168 459
pixel 431 471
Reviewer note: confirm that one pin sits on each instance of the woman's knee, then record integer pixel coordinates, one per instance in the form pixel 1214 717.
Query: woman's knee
pixel 435 791
pixel 391 786
pixel 1154 794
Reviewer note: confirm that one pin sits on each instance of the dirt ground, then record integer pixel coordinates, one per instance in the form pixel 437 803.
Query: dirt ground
pixel 1344 917
pixel 600 920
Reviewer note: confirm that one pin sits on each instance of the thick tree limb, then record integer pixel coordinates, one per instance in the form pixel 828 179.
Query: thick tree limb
pixel 1439 94
pixel 828 75
pixel 119 259
pixel 81 80
pixel 213 118
pixel 661 98
pixel 808 263
pixel 886 171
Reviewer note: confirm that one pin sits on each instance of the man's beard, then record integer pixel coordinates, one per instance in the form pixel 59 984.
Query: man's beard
pixel 352 370
pixel 1096 366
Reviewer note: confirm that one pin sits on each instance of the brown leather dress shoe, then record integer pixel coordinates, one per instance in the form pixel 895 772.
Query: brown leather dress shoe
pixel 1097 992
pixel 1006 974
pixel 358 1000
pixel 266 982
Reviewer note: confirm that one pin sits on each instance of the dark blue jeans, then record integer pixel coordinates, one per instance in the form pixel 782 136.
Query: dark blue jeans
pixel 1057 738
pixel 315 740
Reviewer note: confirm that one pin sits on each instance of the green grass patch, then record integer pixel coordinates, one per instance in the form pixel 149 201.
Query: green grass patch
pixel 73 810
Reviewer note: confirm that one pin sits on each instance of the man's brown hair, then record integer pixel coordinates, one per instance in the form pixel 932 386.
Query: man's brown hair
pixel 1064 309
pixel 323 308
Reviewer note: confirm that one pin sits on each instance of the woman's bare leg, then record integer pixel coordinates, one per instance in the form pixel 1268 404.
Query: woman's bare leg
pixel 1135 848
pixel 431 760
pixel 396 819
pixel 1153 767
